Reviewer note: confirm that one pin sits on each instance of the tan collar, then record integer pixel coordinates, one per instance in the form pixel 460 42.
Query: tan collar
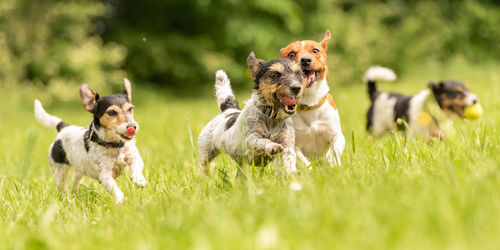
pixel 304 107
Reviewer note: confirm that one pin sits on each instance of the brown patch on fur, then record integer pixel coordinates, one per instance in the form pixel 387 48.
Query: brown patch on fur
pixel 318 59
pixel 108 121
pixel 269 90
pixel 278 67
pixel 331 101
pixel 453 105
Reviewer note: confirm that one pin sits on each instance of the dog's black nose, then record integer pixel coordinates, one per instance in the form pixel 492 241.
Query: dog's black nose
pixel 305 61
pixel 295 89
pixel 132 126
pixel 474 101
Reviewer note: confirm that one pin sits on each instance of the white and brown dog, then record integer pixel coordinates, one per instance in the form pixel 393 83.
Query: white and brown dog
pixel 101 150
pixel 318 132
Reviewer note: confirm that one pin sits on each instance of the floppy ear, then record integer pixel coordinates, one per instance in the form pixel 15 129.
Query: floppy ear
pixel 89 98
pixel 284 52
pixel 127 89
pixel 254 64
pixel 325 40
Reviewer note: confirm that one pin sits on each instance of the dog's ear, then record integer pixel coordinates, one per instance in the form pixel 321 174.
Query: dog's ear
pixel 89 97
pixel 431 85
pixel 282 52
pixel 326 39
pixel 127 89
pixel 435 87
pixel 254 64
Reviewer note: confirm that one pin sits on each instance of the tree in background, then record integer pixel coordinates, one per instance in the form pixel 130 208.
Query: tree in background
pixel 51 44
pixel 182 43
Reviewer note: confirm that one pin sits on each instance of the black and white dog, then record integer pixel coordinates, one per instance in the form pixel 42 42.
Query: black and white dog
pixel 452 97
pixel 101 150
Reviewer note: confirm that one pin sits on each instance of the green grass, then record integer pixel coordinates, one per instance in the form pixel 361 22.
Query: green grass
pixel 390 193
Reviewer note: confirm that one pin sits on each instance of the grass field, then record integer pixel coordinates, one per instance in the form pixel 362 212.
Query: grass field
pixel 390 193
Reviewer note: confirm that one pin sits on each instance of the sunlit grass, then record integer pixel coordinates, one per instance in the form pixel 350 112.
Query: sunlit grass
pixel 391 192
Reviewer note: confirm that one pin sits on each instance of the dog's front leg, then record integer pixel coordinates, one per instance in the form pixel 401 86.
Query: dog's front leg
pixel 303 158
pixel 136 165
pixel 289 160
pixel 335 150
pixel 109 183
pixel 257 143
pixel 289 156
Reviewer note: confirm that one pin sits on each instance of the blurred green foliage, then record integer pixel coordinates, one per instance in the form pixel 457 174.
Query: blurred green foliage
pixel 51 45
pixel 180 44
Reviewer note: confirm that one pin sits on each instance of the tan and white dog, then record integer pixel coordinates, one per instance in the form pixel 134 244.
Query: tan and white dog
pixel 318 132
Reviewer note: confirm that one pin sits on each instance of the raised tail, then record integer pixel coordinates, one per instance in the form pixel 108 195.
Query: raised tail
pixel 224 93
pixel 374 74
pixel 48 120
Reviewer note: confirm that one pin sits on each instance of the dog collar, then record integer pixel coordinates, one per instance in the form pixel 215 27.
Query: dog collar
pixel 304 107
pixel 90 135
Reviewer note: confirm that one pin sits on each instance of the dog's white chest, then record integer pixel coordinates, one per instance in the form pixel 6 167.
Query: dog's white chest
pixel 316 129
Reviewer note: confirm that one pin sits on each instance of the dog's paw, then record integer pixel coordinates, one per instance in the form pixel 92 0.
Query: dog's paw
pixel 119 197
pixel 138 179
pixel 273 148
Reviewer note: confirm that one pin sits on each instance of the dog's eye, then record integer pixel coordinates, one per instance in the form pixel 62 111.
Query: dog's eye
pixel 315 51
pixel 276 75
pixel 112 113
pixel 291 54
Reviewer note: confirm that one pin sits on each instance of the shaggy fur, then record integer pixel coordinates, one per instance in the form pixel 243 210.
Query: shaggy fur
pixel 262 130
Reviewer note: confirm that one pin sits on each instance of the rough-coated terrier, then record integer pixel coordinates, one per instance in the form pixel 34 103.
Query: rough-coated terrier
pixel 262 130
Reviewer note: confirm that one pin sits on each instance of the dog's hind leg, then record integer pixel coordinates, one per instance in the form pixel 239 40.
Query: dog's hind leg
pixel 335 151
pixel 206 156
pixel 60 173
pixel 77 179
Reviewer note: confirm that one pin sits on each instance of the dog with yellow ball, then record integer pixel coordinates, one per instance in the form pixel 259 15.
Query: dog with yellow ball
pixel 426 114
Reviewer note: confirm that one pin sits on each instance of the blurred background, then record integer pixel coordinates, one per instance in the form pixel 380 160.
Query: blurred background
pixel 177 46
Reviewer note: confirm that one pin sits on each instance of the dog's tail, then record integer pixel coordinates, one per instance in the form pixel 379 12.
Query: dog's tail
pixel 48 120
pixel 374 74
pixel 224 93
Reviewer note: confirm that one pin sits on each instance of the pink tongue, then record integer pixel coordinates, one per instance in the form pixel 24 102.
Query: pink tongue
pixel 288 101
pixel 130 131
pixel 309 79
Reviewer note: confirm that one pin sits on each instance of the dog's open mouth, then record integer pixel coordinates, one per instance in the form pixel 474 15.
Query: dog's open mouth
pixel 127 137
pixel 290 103
pixel 129 134
pixel 312 76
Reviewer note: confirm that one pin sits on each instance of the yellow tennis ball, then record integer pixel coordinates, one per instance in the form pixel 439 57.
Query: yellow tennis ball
pixel 473 112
